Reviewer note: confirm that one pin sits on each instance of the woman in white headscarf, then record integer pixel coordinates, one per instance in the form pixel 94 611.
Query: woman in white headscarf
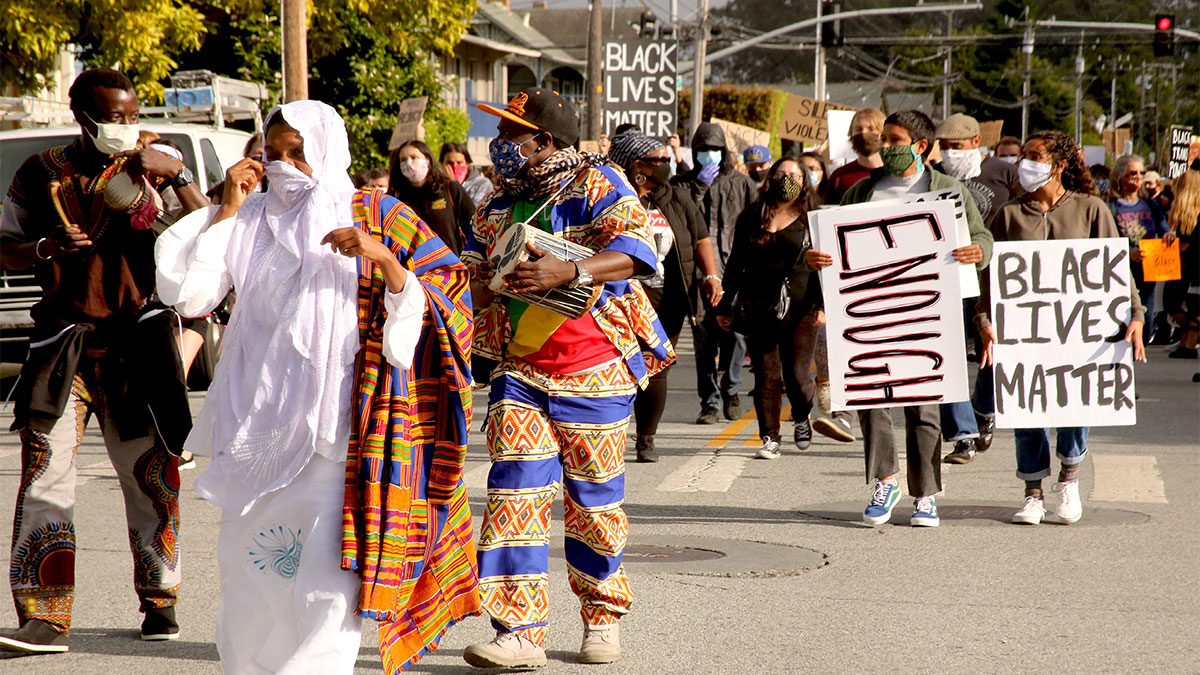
pixel 280 411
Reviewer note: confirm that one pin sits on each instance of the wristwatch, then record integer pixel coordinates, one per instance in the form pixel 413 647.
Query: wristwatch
pixel 182 179
pixel 582 277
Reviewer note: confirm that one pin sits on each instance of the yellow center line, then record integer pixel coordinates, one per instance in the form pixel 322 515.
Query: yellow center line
pixel 732 429
pixel 754 442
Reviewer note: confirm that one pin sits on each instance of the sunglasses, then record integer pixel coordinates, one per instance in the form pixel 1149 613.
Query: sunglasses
pixel 656 160
pixel 1135 173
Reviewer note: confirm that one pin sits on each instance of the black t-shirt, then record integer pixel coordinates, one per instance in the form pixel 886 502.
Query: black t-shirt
pixel 448 212
pixel 1001 178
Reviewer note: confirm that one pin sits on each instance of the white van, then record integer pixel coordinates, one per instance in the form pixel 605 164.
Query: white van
pixel 207 151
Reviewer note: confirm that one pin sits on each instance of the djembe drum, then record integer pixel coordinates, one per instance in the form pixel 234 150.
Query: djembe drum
pixel 510 251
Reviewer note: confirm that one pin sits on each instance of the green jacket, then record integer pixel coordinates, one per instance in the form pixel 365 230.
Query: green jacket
pixel 980 234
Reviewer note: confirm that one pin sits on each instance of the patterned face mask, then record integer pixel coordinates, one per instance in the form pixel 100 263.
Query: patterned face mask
pixel 897 158
pixel 506 157
pixel 783 188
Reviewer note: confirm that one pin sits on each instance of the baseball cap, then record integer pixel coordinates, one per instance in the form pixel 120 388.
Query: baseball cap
pixel 541 109
pixel 756 154
pixel 957 126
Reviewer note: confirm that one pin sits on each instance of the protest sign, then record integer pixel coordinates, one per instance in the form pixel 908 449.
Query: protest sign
pixel 1093 154
pixel 738 137
pixel 838 122
pixel 1115 140
pixel 990 133
pixel 639 86
pixel 408 122
pixel 1159 261
pixel 1177 160
pixel 892 305
pixel 968 277
pixel 1060 309
pixel 804 119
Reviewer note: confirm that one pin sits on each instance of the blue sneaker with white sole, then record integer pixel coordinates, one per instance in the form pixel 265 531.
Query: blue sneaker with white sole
pixel 925 513
pixel 883 500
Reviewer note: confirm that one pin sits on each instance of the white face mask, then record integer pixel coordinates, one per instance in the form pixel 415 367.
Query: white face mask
pixel 415 169
pixel 1033 175
pixel 1011 159
pixel 961 164
pixel 113 138
pixel 286 184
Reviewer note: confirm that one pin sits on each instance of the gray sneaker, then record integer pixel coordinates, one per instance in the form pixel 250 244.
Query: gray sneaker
pixel 836 427
pixel 601 644
pixel 802 435
pixel 507 650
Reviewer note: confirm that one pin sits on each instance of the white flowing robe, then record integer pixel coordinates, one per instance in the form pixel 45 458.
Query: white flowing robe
pixel 277 418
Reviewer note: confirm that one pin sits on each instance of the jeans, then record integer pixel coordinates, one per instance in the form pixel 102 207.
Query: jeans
pixel 1033 450
pixel 958 421
pixel 710 341
pixel 782 362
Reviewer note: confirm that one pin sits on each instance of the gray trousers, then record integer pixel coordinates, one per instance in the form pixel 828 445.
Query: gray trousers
pixel 922 443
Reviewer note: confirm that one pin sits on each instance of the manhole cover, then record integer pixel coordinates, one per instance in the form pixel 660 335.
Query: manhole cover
pixel 708 556
pixel 643 553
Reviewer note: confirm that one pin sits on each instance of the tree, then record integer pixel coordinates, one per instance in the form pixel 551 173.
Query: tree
pixel 140 37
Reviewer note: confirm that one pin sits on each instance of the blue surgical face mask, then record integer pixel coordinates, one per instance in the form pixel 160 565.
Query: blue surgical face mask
pixel 814 178
pixel 708 157
pixel 507 157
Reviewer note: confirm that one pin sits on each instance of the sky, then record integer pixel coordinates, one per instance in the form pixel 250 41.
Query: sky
pixel 687 8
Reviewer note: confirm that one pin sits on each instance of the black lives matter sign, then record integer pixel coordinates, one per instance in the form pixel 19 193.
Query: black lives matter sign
pixel 639 86
pixel 1060 310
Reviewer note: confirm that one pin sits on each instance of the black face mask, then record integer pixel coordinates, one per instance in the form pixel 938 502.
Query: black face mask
pixel 759 175
pixel 661 173
pixel 783 188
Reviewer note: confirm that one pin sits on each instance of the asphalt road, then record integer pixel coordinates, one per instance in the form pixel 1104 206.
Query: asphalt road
pixel 802 586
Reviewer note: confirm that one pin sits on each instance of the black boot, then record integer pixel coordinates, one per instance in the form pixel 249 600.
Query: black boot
pixel 34 637
pixel 645 449
pixel 160 624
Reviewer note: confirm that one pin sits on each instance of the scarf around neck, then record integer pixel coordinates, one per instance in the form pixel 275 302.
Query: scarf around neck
pixel 546 177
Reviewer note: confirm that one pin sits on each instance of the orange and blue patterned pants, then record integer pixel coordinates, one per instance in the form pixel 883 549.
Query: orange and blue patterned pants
pixel 543 429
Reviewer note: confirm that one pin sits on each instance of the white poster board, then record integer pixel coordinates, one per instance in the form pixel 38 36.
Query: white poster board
pixel 840 149
pixel 968 276
pixel 1060 310
pixel 892 305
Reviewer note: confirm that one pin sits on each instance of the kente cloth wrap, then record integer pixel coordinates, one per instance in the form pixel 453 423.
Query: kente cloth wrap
pixel 599 210
pixel 546 177
pixel 406 526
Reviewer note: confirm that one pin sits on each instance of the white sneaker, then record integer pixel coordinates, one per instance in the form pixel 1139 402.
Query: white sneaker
pixel 823 398
pixel 769 449
pixel 1069 508
pixel 1030 513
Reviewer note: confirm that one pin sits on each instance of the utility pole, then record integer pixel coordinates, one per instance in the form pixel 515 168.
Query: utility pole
pixel 1141 116
pixel 594 76
pixel 819 58
pixel 1079 93
pixel 1026 88
pixel 295 51
pixel 946 68
pixel 698 69
pixel 1112 99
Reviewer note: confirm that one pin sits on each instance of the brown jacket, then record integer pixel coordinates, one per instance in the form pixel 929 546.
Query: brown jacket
pixel 1075 216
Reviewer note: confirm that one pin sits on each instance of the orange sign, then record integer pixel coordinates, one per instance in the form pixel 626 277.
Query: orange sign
pixel 1159 261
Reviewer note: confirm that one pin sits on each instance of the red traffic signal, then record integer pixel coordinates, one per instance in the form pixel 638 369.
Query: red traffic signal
pixel 1164 35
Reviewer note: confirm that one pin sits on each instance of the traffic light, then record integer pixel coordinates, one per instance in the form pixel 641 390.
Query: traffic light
pixel 831 32
pixel 1164 35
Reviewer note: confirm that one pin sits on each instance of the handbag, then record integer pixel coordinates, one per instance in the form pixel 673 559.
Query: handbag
pixel 751 315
